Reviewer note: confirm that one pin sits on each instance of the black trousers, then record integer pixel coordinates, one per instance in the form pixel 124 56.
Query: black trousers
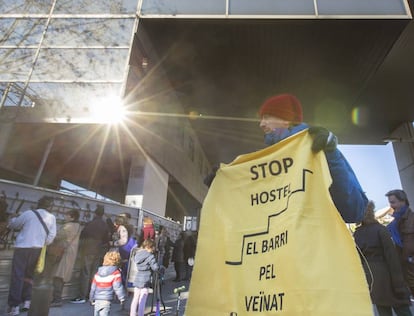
pixel 400 310
pixel 179 270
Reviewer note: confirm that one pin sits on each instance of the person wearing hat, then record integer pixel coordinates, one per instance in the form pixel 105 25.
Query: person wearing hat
pixel 281 116
pixel 318 262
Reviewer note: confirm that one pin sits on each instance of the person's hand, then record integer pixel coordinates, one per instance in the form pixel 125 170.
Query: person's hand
pixel 323 139
pixel 92 302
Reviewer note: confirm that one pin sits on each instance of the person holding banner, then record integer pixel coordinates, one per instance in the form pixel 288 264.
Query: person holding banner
pixel 272 237
pixel 281 117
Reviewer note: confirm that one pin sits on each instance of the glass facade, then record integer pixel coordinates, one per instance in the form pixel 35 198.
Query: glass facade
pixel 257 8
pixel 68 53
pixel 271 7
pixel 366 7
pixel 64 53
pixel 180 7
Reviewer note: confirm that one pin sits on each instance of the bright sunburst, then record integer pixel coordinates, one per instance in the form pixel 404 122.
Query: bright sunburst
pixel 109 110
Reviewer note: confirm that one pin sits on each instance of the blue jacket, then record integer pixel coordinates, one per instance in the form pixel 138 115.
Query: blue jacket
pixel 146 263
pixel 106 282
pixel 345 190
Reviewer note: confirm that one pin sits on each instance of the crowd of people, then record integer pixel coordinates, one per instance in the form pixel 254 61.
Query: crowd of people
pixel 103 251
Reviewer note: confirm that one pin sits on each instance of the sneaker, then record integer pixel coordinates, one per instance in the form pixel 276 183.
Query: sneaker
pixel 13 310
pixel 26 306
pixel 78 300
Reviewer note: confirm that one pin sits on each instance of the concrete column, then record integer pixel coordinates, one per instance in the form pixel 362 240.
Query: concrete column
pixel 404 156
pixel 147 186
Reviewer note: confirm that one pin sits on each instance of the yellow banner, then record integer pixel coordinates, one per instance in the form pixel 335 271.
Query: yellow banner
pixel 271 241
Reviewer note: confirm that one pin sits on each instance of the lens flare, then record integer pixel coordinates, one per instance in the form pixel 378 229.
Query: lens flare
pixel 360 116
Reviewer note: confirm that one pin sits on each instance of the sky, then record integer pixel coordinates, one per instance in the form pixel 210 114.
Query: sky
pixel 375 168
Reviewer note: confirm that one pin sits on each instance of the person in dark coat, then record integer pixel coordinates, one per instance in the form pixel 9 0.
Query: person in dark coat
pixel 189 254
pixel 178 258
pixel 93 244
pixel 164 247
pixel 402 231
pixel 382 266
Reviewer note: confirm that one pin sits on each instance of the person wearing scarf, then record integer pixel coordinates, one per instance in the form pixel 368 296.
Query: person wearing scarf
pixel 402 232
pixel 281 116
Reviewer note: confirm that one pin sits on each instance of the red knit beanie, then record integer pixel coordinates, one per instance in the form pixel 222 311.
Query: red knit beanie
pixel 283 106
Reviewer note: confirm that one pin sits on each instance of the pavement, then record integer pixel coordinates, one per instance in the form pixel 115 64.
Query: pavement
pixel 168 298
pixel 168 304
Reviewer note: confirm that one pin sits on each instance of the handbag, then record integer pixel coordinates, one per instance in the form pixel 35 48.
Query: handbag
pixel 40 265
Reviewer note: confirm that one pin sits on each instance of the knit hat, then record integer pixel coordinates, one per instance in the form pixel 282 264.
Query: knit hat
pixel 284 106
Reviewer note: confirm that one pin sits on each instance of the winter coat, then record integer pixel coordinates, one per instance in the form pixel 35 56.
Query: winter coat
pixel 69 233
pixel 124 241
pixel 406 230
pixel 146 263
pixel 148 232
pixel 106 282
pixel 382 265
pixel 167 252
pixel 161 244
pixel 345 190
pixel 178 251
pixel 189 248
pixel 94 239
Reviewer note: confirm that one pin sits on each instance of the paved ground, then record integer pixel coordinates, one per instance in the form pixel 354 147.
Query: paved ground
pixel 168 297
